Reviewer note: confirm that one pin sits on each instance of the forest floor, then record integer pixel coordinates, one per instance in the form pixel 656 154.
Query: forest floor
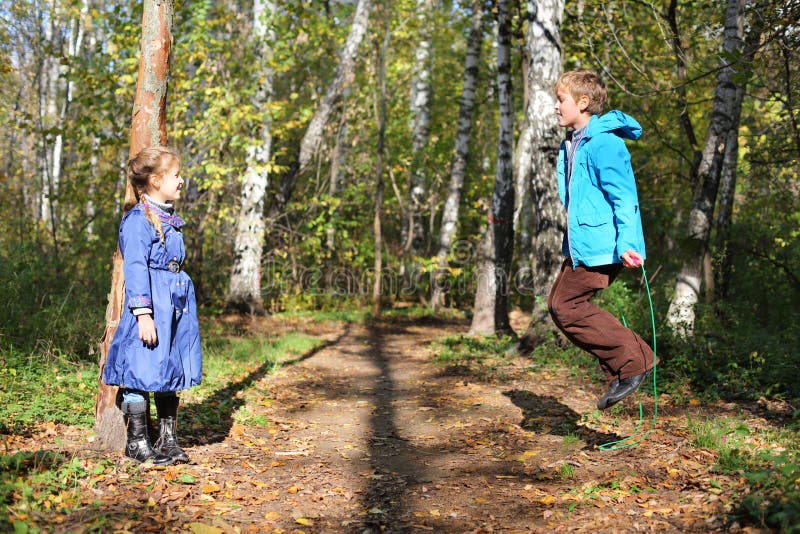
pixel 367 433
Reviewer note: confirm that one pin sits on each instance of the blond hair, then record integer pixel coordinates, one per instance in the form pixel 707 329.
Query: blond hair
pixel 151 162
pixel 587 83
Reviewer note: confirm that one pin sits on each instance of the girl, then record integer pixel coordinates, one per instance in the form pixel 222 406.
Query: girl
pixel 157 344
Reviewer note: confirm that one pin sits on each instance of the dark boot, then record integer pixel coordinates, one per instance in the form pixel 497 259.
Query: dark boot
pixel 138 446
pixel 167 443
pixel 625 387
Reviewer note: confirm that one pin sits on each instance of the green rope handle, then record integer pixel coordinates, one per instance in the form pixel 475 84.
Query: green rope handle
pixel 630 441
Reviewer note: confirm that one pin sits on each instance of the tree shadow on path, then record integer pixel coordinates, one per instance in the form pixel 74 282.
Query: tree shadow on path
pixel 546 415
pixel 390 455
pixel 217 423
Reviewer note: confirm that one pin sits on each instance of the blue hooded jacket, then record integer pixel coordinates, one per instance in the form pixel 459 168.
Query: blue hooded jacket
pixel 603 219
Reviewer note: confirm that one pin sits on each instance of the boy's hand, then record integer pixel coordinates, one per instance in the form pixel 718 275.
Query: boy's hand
pixel 147 330
pixel 632 259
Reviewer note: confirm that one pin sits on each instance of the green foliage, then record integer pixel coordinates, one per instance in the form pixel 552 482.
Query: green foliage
pixel 772 474
pixel 36 483
pixel 464 350
pixel 35 388
pixel 774 499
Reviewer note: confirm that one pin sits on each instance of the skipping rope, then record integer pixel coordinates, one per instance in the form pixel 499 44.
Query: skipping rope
pixel 634 439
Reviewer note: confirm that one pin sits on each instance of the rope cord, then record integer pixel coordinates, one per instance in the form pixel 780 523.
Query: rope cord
pixel 632 440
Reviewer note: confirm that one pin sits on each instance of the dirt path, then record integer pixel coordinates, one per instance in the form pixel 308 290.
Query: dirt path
pixel 372 436
pixel 366 434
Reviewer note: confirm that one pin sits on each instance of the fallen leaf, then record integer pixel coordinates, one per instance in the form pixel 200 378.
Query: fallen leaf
pixel 305 522
pixel 202 528
pixel 210 487
pixel 547 500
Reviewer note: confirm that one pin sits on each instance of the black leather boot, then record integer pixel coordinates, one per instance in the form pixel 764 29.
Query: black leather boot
pixel 167 443
pixel 138 446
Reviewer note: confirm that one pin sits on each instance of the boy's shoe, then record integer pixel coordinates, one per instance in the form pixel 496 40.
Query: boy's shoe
pixel 624 387
pixel 602 402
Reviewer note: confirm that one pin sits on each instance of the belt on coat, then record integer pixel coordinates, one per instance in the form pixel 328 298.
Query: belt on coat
pixel 171 266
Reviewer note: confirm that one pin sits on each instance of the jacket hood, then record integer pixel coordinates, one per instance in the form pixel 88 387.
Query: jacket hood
pixel 615 122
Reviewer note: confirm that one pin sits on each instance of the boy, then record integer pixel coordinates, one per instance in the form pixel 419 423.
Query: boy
pixel 604 230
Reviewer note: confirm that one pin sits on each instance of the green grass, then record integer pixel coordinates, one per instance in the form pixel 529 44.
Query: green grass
pixel 37 482
pixel 770 461
pixel 36 388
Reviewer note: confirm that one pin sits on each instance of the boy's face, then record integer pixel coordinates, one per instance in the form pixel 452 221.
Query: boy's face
pixel 571 114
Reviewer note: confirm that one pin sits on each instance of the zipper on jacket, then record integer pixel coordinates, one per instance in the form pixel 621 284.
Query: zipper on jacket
pixel 569 198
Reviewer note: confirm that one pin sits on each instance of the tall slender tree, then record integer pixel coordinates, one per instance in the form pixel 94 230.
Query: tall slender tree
pixel 420 105
pixel 458 168
pixel 244 293
pixel 500 231
pixel 312 138
pixel 537 152
pixel 148 128
pixel 722 125
pixel 380 154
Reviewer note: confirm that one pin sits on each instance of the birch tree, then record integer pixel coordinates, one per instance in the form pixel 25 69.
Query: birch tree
pixel 244 293
pixel 458 168
pixel 313 134
pixel 499 237
pixel 537 153
pixel 420 105
pixel 726 108
pixel 148 128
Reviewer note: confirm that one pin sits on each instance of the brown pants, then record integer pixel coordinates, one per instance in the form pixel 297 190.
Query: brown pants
pixel 621 352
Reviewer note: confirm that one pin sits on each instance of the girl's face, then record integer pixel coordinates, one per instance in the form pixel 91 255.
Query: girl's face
pixel 168 185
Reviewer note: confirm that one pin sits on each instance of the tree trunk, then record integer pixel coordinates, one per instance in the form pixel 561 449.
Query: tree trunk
pixel 536 159
pixel 730 161
pixel 313 135
pixel 420 105
pixel 458 168
pixel 727 106
pixel 501 225
pixel 148 128
pixel 379 163
pixel 337 171
pixel 244 294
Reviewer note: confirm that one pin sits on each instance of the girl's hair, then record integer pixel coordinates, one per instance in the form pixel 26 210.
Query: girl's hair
pixel 584 82
pixel 149 163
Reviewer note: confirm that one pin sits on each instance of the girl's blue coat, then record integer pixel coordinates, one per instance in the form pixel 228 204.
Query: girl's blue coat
pixel 175 362
pixel 603 219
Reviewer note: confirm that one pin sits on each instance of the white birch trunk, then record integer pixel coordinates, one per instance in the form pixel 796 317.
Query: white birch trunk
pixel 502 210
pixel 343 76
pixel 313 135
pixel 244 292
pixel 458 168
pixel 420 106
pixel 537 151
pixel 727 105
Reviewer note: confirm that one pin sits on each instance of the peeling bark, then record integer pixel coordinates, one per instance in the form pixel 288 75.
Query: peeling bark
pixel 148 128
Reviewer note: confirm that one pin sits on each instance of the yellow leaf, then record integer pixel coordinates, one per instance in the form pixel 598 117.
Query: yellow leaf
pixel 272 516
pixel 292 489
pixel 305 522
pixel 210 487
pixel 434 513
pixel 547 500
pixel 202 528
pixel 694 402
